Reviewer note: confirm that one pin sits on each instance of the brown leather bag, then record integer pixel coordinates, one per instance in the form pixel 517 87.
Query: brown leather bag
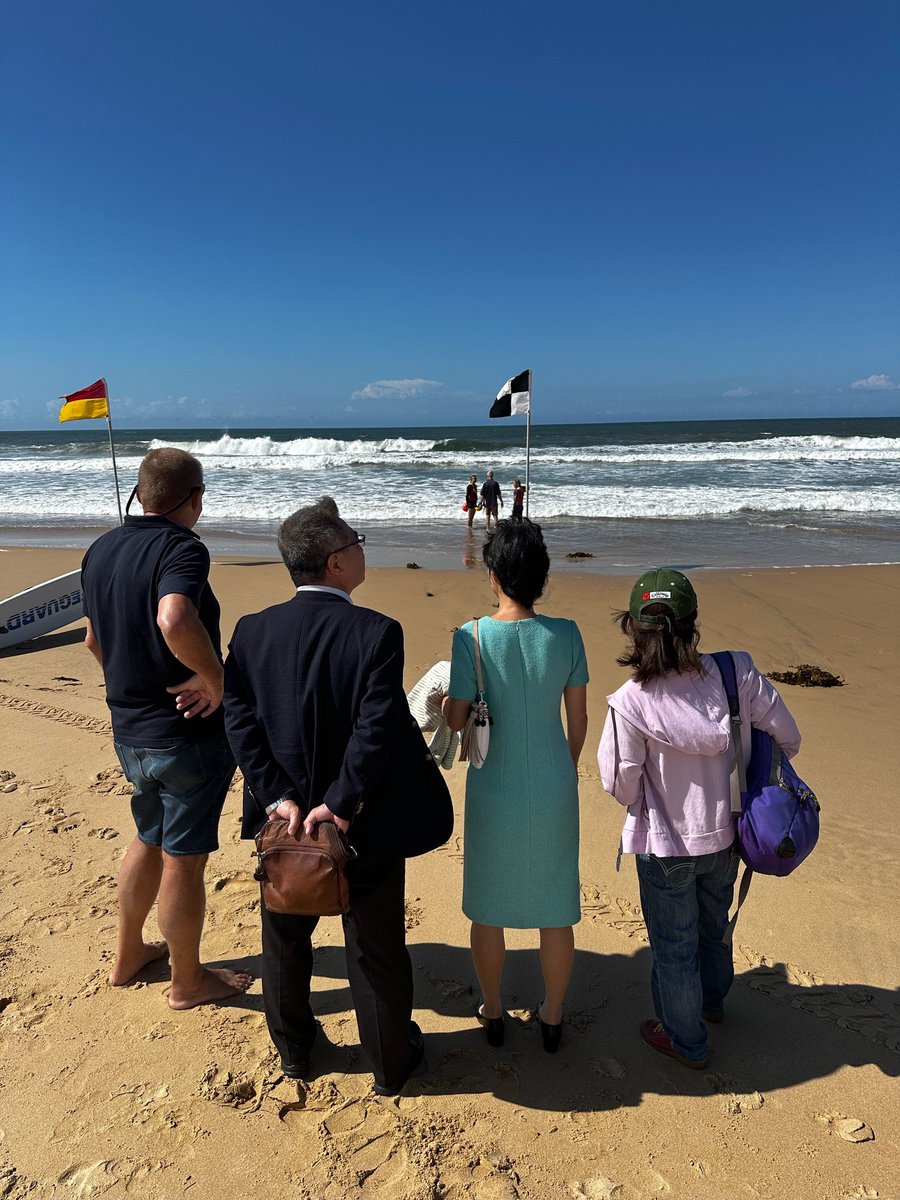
pixel 303 875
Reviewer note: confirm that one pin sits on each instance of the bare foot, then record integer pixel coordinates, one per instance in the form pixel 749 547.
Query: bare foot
pixel 126 970
pixel 216 983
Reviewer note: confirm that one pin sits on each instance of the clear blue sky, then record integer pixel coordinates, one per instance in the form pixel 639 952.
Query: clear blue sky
pixel 373 212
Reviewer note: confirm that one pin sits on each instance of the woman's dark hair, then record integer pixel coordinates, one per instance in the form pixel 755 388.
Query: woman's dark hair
pixel 657 649
pixel 516 554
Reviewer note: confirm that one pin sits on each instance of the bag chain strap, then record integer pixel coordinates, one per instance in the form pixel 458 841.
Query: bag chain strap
pixel 478 676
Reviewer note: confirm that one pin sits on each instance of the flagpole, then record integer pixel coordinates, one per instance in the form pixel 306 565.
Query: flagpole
pixel 528 441
pixel 112 450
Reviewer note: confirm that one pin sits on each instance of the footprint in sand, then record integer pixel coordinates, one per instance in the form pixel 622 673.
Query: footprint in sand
pixel 21 1018
pixel 609 1068
pixel 87 1180
pixel 106 834
pixel 735 1101
pixel 54 867
pixel 852 1008
pixel 849 1129
pixel 234 901
pixel 149 1106
pixel 413 914
pixel 110 781
pixel 223 1087
pixel 60 821
pixel 599 1188
pixel 613 911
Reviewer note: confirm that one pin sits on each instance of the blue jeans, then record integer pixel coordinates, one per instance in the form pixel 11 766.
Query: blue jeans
pixel 685 902
pixel 179 792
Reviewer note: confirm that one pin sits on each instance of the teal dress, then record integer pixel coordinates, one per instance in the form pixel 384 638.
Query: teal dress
pixel 521 836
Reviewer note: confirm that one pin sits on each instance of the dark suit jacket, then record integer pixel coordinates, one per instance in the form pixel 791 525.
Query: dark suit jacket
pixel 315 709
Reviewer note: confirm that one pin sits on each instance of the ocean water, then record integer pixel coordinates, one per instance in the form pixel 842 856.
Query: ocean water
pixel 703 493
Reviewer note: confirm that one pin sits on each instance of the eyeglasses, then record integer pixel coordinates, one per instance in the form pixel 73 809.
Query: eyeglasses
pixel 359 540
pixel 198 487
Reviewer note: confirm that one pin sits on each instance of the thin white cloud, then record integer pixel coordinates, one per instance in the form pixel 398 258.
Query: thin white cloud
pixel 394 389
pixel 876 383
pixel 738 393
pixel 9 408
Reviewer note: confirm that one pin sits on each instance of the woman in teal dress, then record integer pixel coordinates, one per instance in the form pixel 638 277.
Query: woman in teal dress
pixel 521 833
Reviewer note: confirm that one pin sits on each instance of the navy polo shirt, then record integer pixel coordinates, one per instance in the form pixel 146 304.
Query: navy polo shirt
pixel 124 575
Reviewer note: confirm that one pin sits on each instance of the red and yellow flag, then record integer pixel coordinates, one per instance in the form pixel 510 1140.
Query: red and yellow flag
pixel 89 402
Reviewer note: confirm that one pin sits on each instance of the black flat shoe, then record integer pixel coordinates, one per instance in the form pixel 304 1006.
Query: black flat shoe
pixel 416 1065
pixel 551 1035
pixel 494 1028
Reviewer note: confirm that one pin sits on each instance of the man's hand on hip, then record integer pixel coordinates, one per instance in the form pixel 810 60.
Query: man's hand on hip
pixel 321 815
pixel 198 696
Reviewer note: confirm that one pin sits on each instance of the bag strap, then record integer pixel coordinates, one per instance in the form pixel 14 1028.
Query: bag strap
pixel 615 729
pixel 478 676
pixel 724 660
pixel 743 889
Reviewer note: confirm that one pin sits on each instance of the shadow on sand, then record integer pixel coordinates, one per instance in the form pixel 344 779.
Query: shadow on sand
pixel 777 1033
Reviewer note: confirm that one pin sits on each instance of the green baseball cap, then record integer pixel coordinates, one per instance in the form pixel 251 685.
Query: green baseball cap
pixel 663 585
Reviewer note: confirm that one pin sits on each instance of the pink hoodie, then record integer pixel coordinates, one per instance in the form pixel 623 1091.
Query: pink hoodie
pixel 665 754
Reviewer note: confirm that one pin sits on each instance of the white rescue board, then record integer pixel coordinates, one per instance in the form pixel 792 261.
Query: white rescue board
pixel 41 609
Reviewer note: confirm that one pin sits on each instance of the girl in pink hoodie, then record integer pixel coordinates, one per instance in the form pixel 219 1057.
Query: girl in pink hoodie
pixel 665 754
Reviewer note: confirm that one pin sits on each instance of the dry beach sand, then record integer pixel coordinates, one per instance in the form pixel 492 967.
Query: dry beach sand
pixel 108 1093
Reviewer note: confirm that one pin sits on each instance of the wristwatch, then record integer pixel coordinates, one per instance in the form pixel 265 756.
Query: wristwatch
pixel 270 808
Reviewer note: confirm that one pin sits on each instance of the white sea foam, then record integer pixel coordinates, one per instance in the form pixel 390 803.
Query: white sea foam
pixel 416 479
pixel 228 446
pixel 272 500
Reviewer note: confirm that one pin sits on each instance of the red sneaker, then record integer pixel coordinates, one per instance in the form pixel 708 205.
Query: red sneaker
pixel 654 1035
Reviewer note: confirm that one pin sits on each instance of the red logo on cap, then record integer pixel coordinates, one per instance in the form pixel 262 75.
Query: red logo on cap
pixel 645 596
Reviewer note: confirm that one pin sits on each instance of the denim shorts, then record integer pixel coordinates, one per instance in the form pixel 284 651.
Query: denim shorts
pixel 179 792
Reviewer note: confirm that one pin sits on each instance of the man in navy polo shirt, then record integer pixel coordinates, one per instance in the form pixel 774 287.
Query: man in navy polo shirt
pixel 153 626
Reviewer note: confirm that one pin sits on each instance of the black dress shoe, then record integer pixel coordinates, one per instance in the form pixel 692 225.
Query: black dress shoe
pixel 298 1067
pixel 494 1028
pixel 418 1057
pixel 551 1035
pixel 295 1070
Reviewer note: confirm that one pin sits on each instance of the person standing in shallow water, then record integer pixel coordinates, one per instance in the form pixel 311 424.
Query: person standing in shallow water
pixel 471 498
pixel 666 755
pixel 491 499
pixel 518 503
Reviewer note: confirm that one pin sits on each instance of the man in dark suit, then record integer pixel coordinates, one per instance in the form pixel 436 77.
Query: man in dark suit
pixel 318 721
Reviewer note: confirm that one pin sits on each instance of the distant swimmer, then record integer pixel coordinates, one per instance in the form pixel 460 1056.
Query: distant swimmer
pixel 490 498
pixel 153 626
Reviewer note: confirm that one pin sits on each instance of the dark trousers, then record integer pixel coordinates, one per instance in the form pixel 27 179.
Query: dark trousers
pixel 378 970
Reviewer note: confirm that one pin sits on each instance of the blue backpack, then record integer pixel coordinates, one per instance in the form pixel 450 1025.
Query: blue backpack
pixel 777 815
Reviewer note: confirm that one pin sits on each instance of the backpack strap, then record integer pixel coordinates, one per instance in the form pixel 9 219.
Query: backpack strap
pixel 724 660
pixel 612 713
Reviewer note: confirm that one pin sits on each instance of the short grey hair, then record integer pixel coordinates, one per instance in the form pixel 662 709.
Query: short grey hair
pixel 308 537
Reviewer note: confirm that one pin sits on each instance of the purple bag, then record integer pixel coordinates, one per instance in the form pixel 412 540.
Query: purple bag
pixel 778 821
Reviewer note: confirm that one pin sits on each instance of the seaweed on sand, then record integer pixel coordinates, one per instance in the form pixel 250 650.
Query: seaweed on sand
pixel 807 675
